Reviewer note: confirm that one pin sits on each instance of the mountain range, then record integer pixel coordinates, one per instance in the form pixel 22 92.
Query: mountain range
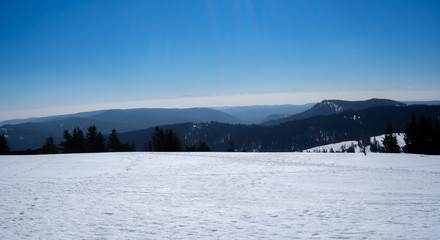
pixel 260 114
pixel 32 134
pixel 137 124
pixel 330 107
pixel 295 135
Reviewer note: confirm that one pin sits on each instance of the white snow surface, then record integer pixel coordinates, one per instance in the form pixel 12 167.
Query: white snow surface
pixel 220 196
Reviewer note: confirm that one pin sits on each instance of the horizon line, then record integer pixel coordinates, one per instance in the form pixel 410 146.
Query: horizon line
pixel 238 100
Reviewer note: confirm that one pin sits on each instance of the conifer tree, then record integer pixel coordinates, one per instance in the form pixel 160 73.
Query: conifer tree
pixel 435 146
pixel 158 140
pixel 79 141
pixel 422 136
pixel 411 136
pixel 171 142
pixel 49 146
pixel 100 146
pixel 390 141
pixel 74 143
pixel 167 141
pixel 114 144
pixel 95 140
pixel 67 145
pixel 4 148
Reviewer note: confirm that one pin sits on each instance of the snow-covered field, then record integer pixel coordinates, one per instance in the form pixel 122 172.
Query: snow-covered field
pixel 220 196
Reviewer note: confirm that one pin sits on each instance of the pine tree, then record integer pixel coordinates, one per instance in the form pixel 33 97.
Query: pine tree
pixel 390 141
pixel 78 141
pixel 49 146
pixel 435 146
pixel 4 148
pixel 67 145
pixel 95 140
pixel 422 136
pixel 411 136
pixel 158 140
pixel 167 141
pixel 100 146
pixel 171 142
pixel 425 132
pixel 114 144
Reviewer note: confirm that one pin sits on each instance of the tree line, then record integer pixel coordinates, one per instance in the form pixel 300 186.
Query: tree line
pixel 422 136
pixel 94 141
pixel 78 142
pixel 168 141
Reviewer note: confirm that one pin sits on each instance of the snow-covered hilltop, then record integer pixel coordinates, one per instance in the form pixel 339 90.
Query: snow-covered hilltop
pixel 220 196
pixel 355 146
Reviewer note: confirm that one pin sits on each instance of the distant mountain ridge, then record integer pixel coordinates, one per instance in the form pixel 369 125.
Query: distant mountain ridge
pixel 435 102
pixel 262 113
pixel 330 107
pixel 295 130
pixel 32 134
pixel 295 135
pixel 49 118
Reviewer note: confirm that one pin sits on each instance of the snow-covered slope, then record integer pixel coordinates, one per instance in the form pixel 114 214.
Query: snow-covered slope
pixel 339 147
pixel 220 196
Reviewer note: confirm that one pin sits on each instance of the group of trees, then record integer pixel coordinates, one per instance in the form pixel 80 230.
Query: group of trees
pixel 93 141
pixel 168 141
pixel 164 141
pixel 422 136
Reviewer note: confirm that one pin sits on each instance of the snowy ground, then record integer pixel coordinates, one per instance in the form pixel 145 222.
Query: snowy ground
pixel 220 196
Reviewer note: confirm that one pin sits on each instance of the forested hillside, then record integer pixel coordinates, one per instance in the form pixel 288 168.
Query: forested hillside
pixel 294 135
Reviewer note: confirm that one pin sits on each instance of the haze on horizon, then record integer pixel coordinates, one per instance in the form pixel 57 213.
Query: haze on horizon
pixel 70 56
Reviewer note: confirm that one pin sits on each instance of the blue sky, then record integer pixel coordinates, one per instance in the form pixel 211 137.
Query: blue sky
pixel 58 54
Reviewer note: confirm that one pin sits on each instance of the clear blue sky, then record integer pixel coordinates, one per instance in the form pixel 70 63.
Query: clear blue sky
pixel 65 53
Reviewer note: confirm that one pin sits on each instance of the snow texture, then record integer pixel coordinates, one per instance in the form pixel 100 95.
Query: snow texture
pixel 346 144
pixel 220 196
